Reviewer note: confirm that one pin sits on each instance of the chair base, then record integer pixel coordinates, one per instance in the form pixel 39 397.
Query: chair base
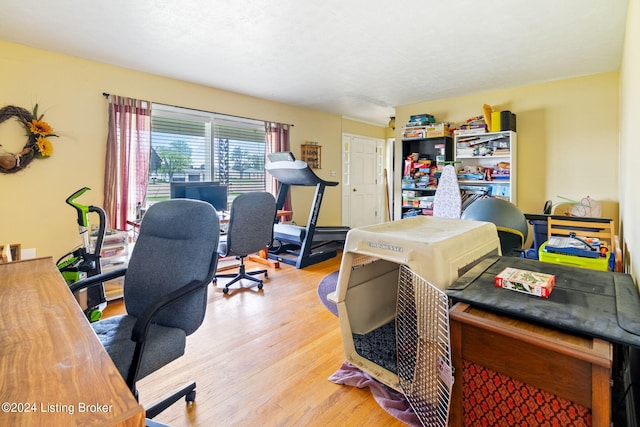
pixel 242 274
pixel 188 392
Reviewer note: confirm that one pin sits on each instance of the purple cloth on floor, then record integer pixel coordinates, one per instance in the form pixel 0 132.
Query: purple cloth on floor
pixel 389 399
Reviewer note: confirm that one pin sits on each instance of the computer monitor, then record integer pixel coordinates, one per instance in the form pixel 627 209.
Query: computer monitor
pixel 213 193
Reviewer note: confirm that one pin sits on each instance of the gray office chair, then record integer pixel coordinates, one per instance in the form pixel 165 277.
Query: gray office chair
pixel 165 292
pixel 250 230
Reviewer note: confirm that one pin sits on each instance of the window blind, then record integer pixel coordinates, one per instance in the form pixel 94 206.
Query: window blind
pixel 192 145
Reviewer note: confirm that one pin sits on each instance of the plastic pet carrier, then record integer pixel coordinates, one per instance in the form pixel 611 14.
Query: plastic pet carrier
pixel 392 308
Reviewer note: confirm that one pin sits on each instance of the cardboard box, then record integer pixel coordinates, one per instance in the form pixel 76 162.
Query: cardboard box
pixel 421 119
pixel 414 133
pixel 495 121
pixel 525 281
pixel 437 130
pixel 470 130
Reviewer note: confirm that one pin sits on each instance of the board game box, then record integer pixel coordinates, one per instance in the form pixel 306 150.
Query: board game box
pixel 525 281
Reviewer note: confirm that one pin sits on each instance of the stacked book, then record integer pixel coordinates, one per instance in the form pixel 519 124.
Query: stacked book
pixel 421 120
pixel 473 126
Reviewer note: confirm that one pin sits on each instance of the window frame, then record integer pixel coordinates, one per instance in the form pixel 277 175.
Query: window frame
pixel 213 133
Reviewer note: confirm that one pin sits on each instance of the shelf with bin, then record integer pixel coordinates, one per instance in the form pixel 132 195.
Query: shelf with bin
pixel 423 160
pixel 487 161
pixel 417 205
pixel 114 255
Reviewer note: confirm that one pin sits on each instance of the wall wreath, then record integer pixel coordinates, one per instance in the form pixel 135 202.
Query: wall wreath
pixel 38 145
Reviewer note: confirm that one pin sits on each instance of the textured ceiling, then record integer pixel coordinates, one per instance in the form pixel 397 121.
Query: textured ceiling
pixel 355 58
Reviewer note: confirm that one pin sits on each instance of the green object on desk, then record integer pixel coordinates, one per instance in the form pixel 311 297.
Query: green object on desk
pixel 600 263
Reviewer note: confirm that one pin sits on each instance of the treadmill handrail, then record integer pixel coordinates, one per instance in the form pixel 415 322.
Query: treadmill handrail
pixel 296 172
pixel 288 172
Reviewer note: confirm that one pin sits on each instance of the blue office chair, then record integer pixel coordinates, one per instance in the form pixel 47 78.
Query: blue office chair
pixel 165 292
pixel 250 230
pixel 508 219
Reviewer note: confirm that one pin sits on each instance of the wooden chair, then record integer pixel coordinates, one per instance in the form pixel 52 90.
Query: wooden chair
pixel 601 228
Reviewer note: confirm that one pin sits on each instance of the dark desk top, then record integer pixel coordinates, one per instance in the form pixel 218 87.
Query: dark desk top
pixel 544 217
pixel 596 303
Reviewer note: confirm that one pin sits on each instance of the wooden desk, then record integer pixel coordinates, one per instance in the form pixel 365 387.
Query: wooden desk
pixel 54 369
pixel 574 367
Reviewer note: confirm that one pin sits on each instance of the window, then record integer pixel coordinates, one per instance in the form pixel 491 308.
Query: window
pixel 191 145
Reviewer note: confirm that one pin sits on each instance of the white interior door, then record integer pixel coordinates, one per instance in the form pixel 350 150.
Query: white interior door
pixel 362 190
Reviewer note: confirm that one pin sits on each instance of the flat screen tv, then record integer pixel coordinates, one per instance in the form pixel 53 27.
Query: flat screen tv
pixel 213 193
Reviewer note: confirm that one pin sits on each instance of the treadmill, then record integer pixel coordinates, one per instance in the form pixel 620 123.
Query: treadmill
pixel 302 246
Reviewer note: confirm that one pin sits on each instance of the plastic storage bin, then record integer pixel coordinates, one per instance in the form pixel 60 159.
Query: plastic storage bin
pixel 601 263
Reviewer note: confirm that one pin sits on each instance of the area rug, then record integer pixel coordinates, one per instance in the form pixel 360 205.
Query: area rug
pixel 325 287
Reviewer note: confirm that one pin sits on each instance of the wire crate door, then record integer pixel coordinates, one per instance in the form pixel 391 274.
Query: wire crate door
pixel 424 353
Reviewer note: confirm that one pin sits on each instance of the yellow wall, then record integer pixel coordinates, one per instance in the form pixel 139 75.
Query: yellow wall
pixel 567 137
pixel 364 129
pixel 69 92
pixel 629 147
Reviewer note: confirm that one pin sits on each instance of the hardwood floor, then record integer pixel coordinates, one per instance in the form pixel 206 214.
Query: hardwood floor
pixel 263 358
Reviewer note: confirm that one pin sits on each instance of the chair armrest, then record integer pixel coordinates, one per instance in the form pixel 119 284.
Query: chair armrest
pixel 141 327
pixel 97 279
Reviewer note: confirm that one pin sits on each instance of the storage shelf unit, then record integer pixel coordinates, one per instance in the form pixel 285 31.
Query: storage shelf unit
pixel 419 182
pixel 486 164
pixel 114 255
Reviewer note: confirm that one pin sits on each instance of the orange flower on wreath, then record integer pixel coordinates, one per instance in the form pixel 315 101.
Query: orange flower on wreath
pixel 39 127
pixel 38 145
pixel 45 147
pixel 38 132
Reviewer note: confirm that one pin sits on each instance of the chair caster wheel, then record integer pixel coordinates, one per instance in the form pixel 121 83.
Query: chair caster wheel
pixel 225 290
pixel 266 275
pixel 190 397
pixel 260 286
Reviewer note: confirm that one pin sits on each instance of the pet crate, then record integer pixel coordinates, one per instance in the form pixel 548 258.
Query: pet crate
pixel 389 296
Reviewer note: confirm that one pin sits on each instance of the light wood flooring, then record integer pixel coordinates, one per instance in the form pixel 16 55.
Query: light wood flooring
pixel 263 358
